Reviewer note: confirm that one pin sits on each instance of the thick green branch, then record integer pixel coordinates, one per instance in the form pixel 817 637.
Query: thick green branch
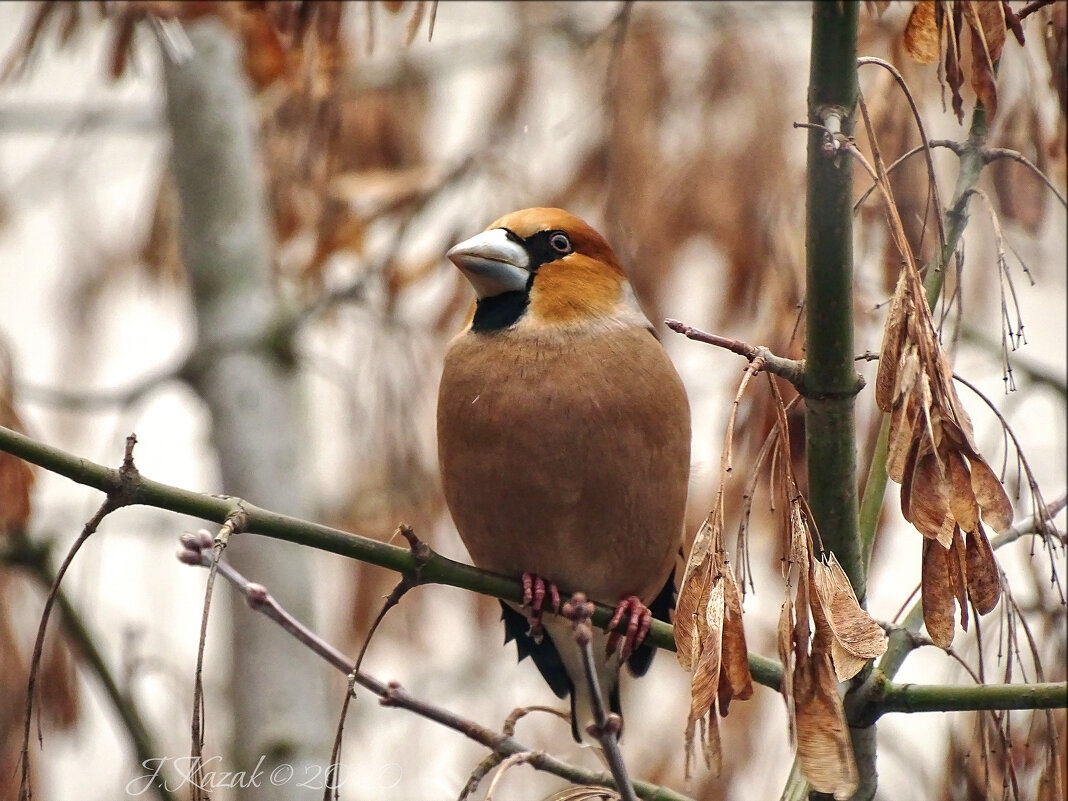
pixel 437 569
pixel 431 569
pixel 831 381
pixel 830 377
pixel 939 698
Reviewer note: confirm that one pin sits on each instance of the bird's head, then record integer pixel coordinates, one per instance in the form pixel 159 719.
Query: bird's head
pixel 544 268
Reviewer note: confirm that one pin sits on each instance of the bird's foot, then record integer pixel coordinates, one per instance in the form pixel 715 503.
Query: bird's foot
pixel 640 619
pixel 535 591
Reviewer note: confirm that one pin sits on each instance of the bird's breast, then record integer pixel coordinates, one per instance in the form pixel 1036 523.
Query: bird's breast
pixel 566 457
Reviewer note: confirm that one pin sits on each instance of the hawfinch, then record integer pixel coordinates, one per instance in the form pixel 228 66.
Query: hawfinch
pixel 564 443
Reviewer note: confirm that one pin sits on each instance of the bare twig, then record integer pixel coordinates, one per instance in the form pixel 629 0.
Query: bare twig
pixel 925 144
pixel 606 725
pixel 1034 525
pixel 990 154
pixel 494 759
pixel 790 369
pixel 515 759
pixel 35 558
pixel 392 694
pixel 421 552
pixel 118 496
pixel 1032 7
pixel 102 400
pixel 217 544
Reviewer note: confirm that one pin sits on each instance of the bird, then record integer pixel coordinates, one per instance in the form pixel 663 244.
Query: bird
pixel 563 435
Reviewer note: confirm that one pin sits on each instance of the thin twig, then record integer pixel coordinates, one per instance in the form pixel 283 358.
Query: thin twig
pixel 102 400
pixel 392 694
pixel 421 553
pixel 925 144
pixel 990 154
pixel 217 545
pixel 117 497
pixel 790 369
pixel 1032 7
pixel 1034 525
pixel 494 759
pixel 606 724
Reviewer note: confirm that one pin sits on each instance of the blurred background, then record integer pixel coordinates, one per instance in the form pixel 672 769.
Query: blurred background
pixel 383 133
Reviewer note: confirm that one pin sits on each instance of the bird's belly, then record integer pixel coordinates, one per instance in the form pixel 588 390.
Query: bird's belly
pixel 556 465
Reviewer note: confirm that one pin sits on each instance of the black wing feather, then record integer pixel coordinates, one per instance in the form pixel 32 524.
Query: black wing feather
pixel 544 653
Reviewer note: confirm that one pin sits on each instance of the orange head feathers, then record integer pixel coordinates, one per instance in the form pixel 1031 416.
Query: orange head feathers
pixel 543 268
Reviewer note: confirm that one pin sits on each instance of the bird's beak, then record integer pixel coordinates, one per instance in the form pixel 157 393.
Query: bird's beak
pixel 492 262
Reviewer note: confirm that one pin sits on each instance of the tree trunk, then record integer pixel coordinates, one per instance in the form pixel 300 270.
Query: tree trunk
pixel 278 690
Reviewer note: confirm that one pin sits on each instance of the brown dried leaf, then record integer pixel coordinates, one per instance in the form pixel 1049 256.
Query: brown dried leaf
pixel 957 564
pixel 735 679
pixel 892 351
pixel 705 682
pixel 823 745
pixel 986 27
pixel 711 748
pixel 16 479
pixel 692 597
pixel 937 593
pixel 1056 41
pixel 962 503
pixel 122 46
pixel 799 546
pixel 783 641
pixel 414 21
pixel 58 682
pixel 924 501
pixel 922 36
pixel 945 534
pixel 265 57
pixel 856 636
pixel 991 496
pixel 954 75
pixel 1023 202
pixel 984 577
pixel 903 431
pixel 846 665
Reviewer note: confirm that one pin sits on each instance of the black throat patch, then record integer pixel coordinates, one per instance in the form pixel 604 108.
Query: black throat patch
pixel 500 311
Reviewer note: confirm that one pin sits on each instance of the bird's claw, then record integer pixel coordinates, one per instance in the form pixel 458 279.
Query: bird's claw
pixel 535 590
pixel 639 621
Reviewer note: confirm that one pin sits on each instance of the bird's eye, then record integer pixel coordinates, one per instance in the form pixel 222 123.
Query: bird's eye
pixel 560 243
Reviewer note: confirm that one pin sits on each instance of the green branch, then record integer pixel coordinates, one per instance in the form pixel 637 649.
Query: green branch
pixel 426 568
pixel 831 381
pixel 435 569
pixel 939 698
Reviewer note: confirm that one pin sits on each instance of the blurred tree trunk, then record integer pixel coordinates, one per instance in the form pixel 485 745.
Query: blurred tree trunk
pixel 277 690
